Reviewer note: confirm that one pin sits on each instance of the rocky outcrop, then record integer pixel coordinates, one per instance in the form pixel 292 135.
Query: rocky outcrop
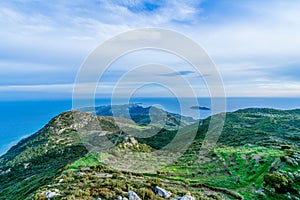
pixel 130 141
pixel 162 192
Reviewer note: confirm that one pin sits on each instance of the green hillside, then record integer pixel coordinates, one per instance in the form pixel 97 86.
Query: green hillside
pixel 256 157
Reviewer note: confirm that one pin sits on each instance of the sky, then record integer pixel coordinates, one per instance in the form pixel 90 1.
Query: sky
pixel 255 45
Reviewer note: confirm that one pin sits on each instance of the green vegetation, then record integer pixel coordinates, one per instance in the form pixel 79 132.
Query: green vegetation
pixel 256 157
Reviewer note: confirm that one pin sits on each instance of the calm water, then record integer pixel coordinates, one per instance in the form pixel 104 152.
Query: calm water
pixel 22 118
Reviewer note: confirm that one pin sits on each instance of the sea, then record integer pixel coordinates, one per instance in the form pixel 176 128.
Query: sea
pixel 19 119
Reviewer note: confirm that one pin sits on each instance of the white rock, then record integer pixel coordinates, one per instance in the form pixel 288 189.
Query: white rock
pixel 185 197
pixel 49 194
pixel 162 192
pixel 122 198
pixel 26 165
pixel 133 196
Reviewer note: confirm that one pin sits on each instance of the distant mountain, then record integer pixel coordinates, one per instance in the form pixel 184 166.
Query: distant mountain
pixel 141 115
pixel 257 147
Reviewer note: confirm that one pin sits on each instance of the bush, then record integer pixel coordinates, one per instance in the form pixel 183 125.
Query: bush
pixel 279 182
pixel 40 196
pixel 146 193
pixel 154 182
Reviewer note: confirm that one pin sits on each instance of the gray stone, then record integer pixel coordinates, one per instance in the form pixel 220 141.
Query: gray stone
pixel 291 175
pixel 185 197
pixel 260 190
pixel 122 198
pixel 292 162
pixel 162 192
pixel 49 194
pixel 296 157
pixel 133 196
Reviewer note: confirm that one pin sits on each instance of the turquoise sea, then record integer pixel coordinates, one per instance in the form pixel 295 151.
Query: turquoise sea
pixel 19 119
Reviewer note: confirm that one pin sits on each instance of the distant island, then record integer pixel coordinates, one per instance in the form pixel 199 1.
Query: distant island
pixel 199 108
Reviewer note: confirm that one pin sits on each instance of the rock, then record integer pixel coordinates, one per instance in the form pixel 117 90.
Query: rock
pixel 5 172
pixel 49 194
pixel 56 190
pixel 296 157
pixel 224 165
pixel 260 190
pixel 162 192
pixel 26 165
pixel 297 175
pixel 133 196
pixel 122 198
pixel 292 162
pixel 291 176
pixel 132 140
pixel 185 197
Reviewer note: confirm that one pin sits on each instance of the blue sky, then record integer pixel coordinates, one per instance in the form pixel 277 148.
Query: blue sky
pixel 254 44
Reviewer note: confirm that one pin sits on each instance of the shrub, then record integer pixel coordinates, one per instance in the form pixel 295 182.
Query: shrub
pixel 279 182
pixel 40 196
pixel 146 193
pixel 154 182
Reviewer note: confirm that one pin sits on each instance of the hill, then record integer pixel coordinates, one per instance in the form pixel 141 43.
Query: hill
pixel 256 157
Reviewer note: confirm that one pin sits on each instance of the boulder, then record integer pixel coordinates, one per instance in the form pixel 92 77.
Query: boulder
pixel 132 140
pixel 162 192
pixel 49 194
pixel 133 196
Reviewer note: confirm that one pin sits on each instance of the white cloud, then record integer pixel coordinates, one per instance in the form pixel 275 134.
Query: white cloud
pixel 264 37
pixel 55 88
pixel 264 90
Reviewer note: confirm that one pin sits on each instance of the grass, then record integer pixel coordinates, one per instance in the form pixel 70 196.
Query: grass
pixel 252 144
